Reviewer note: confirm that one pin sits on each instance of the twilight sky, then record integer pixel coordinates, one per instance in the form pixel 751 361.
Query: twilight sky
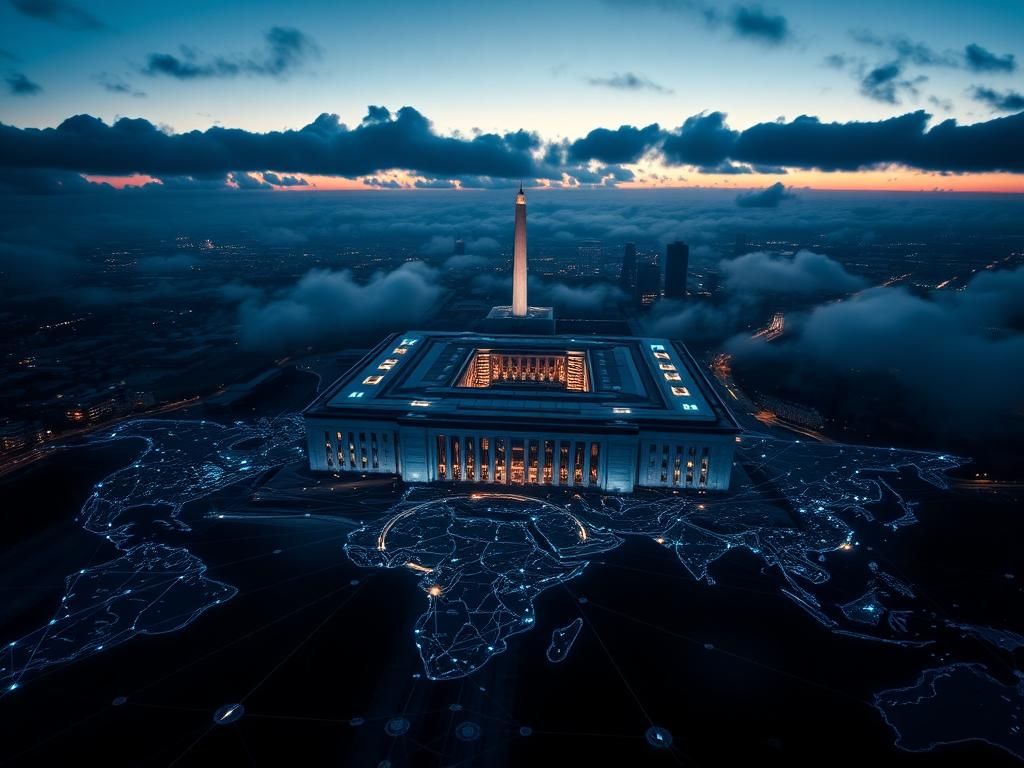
pixel 556 71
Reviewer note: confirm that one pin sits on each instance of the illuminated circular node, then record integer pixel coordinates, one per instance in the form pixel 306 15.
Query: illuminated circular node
pixel 526 731
pixel 455 707
pixel 659 738
pixel 119 701
pixel 355 722
pixel 354 582
pixel 709 646
pixel 467 731
pixel 434 590
pixel 228 714
pixel 396 726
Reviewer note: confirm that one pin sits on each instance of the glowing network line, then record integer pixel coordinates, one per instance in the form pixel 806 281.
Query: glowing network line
pixel 152 587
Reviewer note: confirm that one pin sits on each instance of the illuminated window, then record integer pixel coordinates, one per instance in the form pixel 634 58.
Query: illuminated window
pixel 408 342
pixel 667 366
pixel 673 377
pixel 355 394
pixel 399 351
pixel 690 407
pixel 658 347
pixel 388 364
pixel 420 403
pixel 662 355
pixel 499 460
pixel 680 391
pixel 442 457
pixel 621 410
pixel 373 380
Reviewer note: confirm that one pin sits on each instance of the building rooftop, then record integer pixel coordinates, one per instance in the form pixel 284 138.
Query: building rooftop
pixel 618 380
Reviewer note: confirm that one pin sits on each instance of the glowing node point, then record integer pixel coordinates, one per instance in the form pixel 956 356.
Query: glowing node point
pixel 355 722
pixel 659 738
pixel 119 701
pixel 228 714
pixel 397 726
pixel 467 731
pixel 526 731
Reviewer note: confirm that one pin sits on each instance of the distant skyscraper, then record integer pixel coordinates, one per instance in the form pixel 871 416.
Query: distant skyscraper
pixel 588 257
pixel 627 278
pixel 460 247
pixel 519 305
pixel 648 283
pixel 677 263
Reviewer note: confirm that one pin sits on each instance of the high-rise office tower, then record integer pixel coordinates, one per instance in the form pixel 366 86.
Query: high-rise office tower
pixel 519 305
pixel 677 263
pixel 648 283
pixel 627 278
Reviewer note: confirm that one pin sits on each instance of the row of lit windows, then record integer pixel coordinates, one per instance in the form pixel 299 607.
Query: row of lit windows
pixel 355 452
pixel 686 468
pixel 517 461
pixel 671 374
pixel 386 365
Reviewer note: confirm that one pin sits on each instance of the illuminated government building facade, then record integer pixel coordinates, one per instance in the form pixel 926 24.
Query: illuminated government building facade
pixel 511 406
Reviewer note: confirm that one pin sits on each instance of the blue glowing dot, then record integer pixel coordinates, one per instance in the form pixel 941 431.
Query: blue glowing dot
pixel 12 687
pixel 467 731
pixel 119 701
pixel 397 726
pixel 455 707
pixel 525 731
pixel 355 722
pixel 658 738
pixel 228 714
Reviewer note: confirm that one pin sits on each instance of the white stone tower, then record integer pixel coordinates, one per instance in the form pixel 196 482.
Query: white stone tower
pixel 519 304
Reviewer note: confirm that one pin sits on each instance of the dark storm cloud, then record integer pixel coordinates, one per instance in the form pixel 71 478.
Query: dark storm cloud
pixel 971 380
pixel 886 83
pixel 284 181
pixel 58 12
pixel 407 141
pixel 285 50
pixel 806 142
pixel 753 23
pixel 628 81
pixel 32 181
pixel 325 146
pixel 19 84
pixel 321 306
pixel 625 144
pixel 769 197
pixel 747 22
pixel 702 140
pixel 1002 101
pixel 981 60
